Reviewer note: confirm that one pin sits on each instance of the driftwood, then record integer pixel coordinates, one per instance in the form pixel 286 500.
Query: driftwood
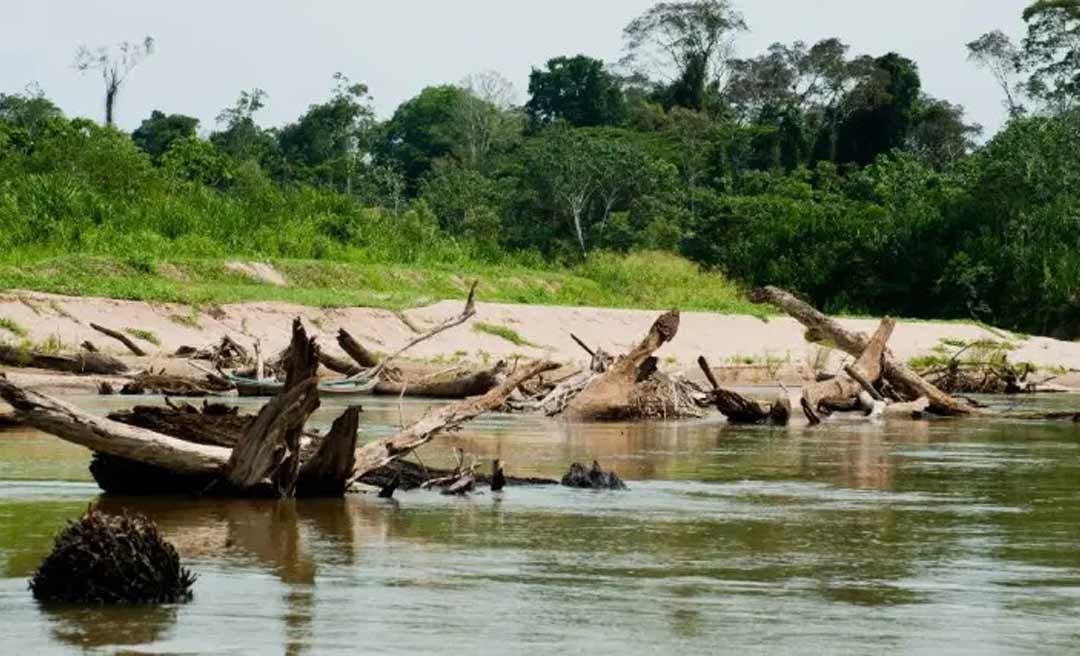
pixel 327 473
pixel 474 384
pixel 85 362
pixel 382 452
pixel 741 410
pixel 593 478
pixel 355 350
pixel 214 423
pixel 339 366
pixel 271 445
pixel 608 396
pixel 89 347
pixel 907 383
pixel 148 382
pixel 845 388
pixel 120 337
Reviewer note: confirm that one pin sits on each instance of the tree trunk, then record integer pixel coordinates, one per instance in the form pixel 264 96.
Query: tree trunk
pixel 741 410
pixel 608 396
pixel 327 473
pixel 339 366
pixel 356 350
pixel 843 388
pixel 903 378
pixel 120 337
pixel 76 363
pixel 474 384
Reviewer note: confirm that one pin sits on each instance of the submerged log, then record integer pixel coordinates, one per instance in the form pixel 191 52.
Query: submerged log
pixel 327 473
pixel 741 410
pixel 474 384
pixel 593 478
pixel 108 559
pixel 608 396
pixel 908 383
pixel 85 362
pixel 120 337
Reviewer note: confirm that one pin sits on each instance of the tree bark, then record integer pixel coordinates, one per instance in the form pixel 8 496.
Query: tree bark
pixel 337 365
pixel 75 363
pixel 908 383
pixel 355 350
pixel 741 410
pixel 474 384
pixel 327 473
pixel 607 396
pixel 843 388
pixel 120 337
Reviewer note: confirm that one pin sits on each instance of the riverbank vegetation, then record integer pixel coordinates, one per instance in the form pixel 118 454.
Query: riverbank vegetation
pixel 651 182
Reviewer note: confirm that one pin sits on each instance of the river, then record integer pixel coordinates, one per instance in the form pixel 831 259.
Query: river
pixel 853 537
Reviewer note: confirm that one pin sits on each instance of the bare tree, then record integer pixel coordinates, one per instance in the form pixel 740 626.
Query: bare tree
pixel 114 64
pixel 996 52
pixel 485 119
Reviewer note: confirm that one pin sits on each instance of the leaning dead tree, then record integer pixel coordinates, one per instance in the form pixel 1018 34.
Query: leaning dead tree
pixel 120 337
pixel 740 410
pixel 909 385
pixel 273 456
pixel 845 389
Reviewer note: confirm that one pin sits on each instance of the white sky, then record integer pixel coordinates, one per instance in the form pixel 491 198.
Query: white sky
pixel 207 51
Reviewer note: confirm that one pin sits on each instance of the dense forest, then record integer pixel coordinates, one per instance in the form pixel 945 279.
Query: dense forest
pixel 809 166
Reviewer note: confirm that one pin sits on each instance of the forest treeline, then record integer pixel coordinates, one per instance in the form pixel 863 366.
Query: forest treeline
pixel 808 166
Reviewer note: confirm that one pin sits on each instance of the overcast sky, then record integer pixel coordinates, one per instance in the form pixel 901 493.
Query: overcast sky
pixel 207 51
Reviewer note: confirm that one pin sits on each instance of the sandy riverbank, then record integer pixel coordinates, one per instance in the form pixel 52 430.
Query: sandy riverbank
pixel 754 351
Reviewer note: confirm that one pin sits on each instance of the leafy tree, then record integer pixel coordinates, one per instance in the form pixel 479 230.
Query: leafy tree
pixel 578 90
pixel 939 135
pixel 886 104
pixel 114 65
pixel 996 52
pixel 330 138
pixel 30 111
pixel 421 131
pixel 190 158
pixel 485 123
pixel 240 136
pixel 1052 51
pixel 158 132
pixel 686 42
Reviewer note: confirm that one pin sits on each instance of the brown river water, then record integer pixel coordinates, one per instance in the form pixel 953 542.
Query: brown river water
pixel 852 537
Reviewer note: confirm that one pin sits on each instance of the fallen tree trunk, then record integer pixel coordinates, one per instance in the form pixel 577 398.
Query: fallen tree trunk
pixel 355 350
pixel 845 388
pixel 474 384
pixel 120 337
pixel 908 383
pixel 170 385
pixel 741 410
pixel 214 424
pixel 75 363
pixel 339 366
pixel 382 452
pixel 111 437
pixel 609 396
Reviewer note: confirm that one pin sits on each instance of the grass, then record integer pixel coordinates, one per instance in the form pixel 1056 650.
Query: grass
pixel 191 319
pixel 505 332
pixel 144 335
pixel 642 281
pixel 12 327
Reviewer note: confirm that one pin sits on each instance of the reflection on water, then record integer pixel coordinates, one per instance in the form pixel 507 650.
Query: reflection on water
pixel 909 537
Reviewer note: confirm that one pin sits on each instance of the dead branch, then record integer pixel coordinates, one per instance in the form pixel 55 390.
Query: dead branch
pixel 84 362
pixel 120 337
pixel 841 390
pixel 355 350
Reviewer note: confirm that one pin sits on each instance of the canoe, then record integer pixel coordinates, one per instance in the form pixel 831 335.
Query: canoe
pixel 253 387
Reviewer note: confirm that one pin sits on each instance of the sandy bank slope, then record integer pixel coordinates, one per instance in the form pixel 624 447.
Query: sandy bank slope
pixel 725 339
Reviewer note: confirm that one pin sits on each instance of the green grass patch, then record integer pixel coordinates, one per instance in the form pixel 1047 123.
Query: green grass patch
pixel 144 335
pixel 504 332
pixel 191 320
pixel 12 327
pixel 650 281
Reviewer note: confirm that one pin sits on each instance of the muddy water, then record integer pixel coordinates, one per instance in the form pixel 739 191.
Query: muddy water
pixel 944 537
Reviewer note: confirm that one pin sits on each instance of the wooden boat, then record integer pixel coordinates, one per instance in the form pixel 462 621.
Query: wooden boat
pixel 268 387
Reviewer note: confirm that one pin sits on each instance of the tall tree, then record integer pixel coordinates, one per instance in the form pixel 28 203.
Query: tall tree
pixel 939 135
pixel 240 136
pixel 114 64
pixel 29 110
pixel 578 90
pixel 688 43
pixel 420 132
pixel 155 134
pixel 996 52
pixel 885 105
pixel 485 122
pixel 1052 51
